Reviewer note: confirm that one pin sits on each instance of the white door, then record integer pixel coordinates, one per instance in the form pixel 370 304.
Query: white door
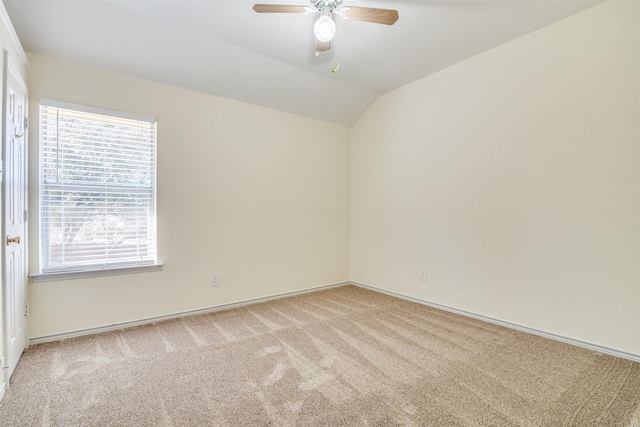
pixel 14 218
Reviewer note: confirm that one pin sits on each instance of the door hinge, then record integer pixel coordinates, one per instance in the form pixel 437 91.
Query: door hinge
pixel 26 215
pixel 26 122
pixel 26 309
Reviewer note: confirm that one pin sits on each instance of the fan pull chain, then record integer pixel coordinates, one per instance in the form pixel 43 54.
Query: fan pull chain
pixel 335 54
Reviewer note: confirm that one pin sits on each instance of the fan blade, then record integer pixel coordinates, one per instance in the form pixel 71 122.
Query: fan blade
pixel 322 46
pixel 377 16
pixel 278 8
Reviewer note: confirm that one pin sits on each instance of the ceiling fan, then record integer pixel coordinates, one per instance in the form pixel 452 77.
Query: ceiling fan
pixel 324 28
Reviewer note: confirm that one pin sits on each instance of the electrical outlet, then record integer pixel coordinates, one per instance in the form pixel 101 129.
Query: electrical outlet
pixel 423 274
pixel 215 279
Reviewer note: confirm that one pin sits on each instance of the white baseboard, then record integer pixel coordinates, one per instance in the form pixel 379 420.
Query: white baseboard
pixel 590 346
pixel 145 321
pixel 148 320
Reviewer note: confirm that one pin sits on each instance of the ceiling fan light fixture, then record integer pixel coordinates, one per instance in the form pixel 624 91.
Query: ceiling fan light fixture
pixel 324 29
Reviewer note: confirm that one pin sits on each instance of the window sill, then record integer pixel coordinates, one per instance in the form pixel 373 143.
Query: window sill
pixel 69 275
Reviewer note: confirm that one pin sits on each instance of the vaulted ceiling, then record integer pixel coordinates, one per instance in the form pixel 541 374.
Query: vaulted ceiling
pixel 225 48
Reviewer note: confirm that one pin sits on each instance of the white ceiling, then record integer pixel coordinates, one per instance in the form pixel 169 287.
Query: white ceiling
pixel 226 49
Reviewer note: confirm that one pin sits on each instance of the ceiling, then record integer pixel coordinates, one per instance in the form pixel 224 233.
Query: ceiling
pixel 225 48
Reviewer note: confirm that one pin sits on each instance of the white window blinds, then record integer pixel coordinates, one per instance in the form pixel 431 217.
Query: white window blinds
pixel 97 188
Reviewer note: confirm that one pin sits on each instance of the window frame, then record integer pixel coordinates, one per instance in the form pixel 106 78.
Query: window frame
pixel 97 269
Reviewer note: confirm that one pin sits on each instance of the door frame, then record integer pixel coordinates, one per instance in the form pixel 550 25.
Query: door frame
pixel 3 355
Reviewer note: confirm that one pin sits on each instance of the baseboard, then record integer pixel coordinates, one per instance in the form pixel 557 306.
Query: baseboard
pixel 590 346
pixel 211 309
pixel 176 315
pixel 3 389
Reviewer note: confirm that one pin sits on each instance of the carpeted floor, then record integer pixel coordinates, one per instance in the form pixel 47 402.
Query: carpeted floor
pixel 340 357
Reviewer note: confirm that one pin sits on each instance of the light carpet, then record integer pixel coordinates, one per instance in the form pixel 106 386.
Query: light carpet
pixel 340 357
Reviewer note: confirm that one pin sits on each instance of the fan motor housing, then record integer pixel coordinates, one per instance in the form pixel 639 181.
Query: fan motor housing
pixel 326 6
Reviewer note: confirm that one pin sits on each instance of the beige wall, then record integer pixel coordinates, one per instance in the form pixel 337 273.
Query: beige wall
pixel 514 179
pixel 257 195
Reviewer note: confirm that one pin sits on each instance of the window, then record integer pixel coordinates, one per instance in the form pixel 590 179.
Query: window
pixel 97 188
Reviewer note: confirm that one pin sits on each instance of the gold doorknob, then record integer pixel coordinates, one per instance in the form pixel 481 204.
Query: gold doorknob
pixel 13 240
